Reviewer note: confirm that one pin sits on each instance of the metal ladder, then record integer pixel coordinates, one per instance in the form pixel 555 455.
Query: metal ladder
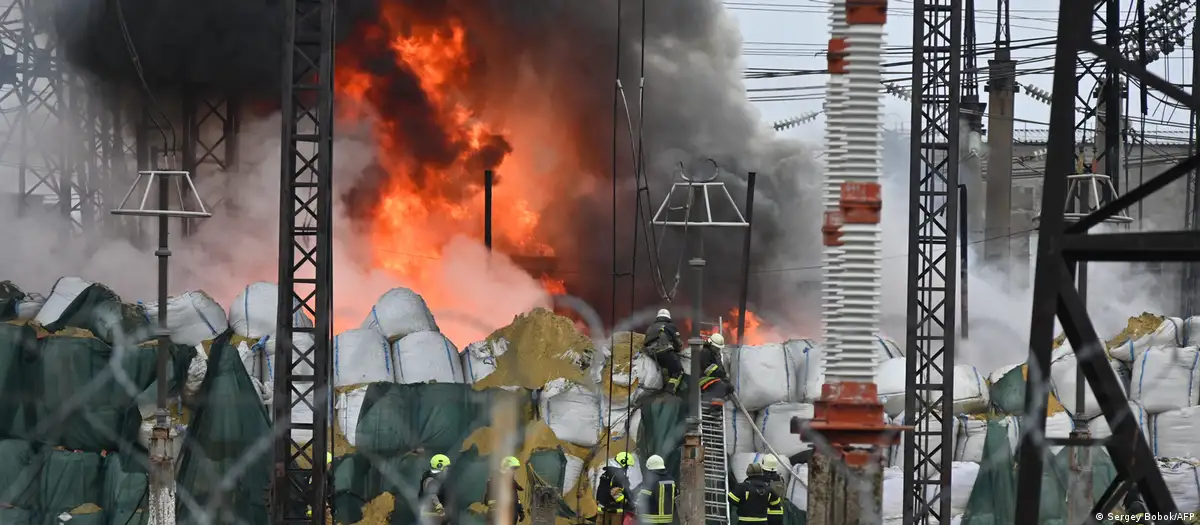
pixel 716 468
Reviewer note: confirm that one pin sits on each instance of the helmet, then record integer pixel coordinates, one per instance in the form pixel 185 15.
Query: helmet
pixel 769 463
pixel 664 313
pixel 717 341
pixel 329 458
pixel 510 463
pixel 655 462
pixel 624 459
pixel 439 462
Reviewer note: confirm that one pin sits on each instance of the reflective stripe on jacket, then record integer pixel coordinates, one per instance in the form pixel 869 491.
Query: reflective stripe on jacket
pixel 657 503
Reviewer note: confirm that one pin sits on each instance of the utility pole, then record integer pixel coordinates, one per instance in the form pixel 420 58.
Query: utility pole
pixel 1001 88
pixel 849 416
pixel 698 216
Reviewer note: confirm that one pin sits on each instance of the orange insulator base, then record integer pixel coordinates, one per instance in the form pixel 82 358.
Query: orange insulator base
pixel 866 12
pixel 836 56
pixel 849 413
pixel 831 230
pixel 861 202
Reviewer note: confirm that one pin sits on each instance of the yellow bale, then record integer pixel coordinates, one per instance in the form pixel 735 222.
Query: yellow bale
pixel 542 347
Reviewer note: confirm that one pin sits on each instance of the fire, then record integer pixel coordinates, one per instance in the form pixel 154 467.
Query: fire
pixel 434 141
pixel 756 332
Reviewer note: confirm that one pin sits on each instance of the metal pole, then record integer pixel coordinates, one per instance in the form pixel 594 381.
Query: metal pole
pixel 1079 495
pixel 741 326
pixel 962 249
pixel 696 342
pixel 488 179
pixel 162 504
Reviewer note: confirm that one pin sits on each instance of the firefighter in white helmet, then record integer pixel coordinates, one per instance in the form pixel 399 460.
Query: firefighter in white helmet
pixel 663 344
pixel 714 383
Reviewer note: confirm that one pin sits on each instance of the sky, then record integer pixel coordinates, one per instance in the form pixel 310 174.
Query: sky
pixel 792 34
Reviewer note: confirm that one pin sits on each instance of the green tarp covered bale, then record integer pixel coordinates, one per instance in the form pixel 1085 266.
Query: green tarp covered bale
pixel 398 419
pixel 10 297
pixel 18 353
pixel 664 423
pixel 19 468
pixel 16 516
pixel 1007 394
pixel 67 481
pixel 87 391
pixel 101 311
pixel 126 490
pixel 229 424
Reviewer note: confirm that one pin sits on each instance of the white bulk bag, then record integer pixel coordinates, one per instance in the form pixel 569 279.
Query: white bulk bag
pixel 572 471
pixel 1099 427
pixel 893 493
pixel 891 379
pixel 971 434
pixel 962 481
pixel 647 373
pixel 422 357
pixel 1182 477
pixel 1058 426
pixel 971 394
pixel 633 474
pixel 739 432
pixel 1166 378
pixel 361 356
pixel 1169 333
pixel 767 374
pixel 301 343
pixel 888 348
pixel 812 374
pixel 64 292
pixel 775 424
pixel 622 420
pixel 479 358
pixel 797 487
pixel 348 408
pixel 253 313
pixel 1062 383
pixel 398 313
pixel 192 317
pixel 197 370
pixel 30 307
pixel 254 359
pixel 575 414
pixel 1174 434
pixel 739 462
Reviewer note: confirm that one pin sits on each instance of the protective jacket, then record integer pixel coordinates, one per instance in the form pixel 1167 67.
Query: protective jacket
pixel 753 500
pixel 493 496
pixel 662 335
pixel 433 488
pixel 613 477
pixel 776 486
pixel 656 498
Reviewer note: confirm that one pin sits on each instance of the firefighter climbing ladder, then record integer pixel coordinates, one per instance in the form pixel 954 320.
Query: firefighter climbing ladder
pixel 712 438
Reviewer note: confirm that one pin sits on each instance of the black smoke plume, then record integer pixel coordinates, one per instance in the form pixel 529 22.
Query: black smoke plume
pixel 695 105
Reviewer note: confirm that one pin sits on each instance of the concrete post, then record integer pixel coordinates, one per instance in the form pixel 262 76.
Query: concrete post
pixel 998 218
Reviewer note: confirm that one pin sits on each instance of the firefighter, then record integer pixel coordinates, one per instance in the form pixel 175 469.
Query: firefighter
pixel 328 484
pixel 663 344
pixel 612 491
pixel 753 498
pixel 770 474
pixel 432 487
pixel 714 384
pixel 507 474
pixel 656 499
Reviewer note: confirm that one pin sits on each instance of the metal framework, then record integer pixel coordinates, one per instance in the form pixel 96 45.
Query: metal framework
pixel 210 137
pixel 33 104
pixel 933 216
pixel 1191 217
pixel 305 265
pixel 1061 246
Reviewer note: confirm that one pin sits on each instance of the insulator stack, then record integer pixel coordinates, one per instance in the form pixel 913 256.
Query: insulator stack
pixel 860 270
pixel 834 99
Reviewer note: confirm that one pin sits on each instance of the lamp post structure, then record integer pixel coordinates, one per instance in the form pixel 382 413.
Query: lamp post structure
pixel 162 494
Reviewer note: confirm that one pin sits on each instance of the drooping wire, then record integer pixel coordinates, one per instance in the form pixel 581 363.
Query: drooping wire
pixel 640 171
pixel 137 66
pixel 617 96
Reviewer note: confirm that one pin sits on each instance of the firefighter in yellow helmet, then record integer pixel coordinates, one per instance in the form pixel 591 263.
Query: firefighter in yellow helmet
pixel 329 476
pixel 714 384
pixel 658 493
pixel 770 475
pixel 506 474
pixel 612 490
pixel 432 493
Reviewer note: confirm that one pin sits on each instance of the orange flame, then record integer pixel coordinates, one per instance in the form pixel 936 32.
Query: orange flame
pixel 424 203
pixel 757 332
